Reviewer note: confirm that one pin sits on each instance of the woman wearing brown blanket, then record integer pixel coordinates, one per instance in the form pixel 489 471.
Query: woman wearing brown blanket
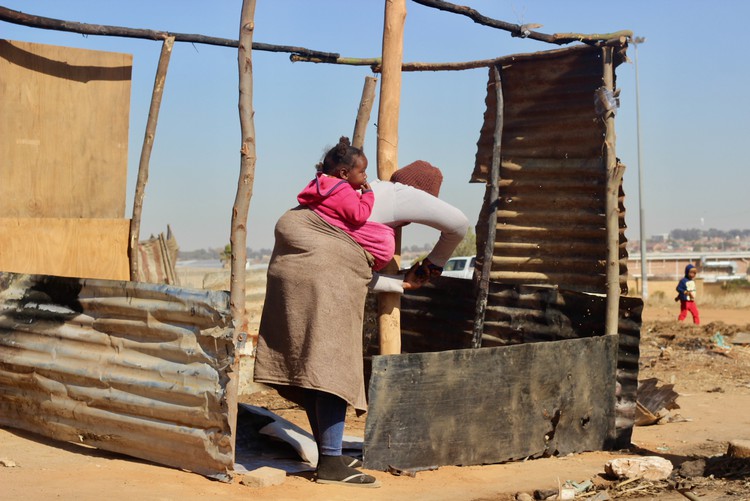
pixel 310 337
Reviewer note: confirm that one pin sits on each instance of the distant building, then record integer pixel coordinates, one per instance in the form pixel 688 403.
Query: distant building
pixel 712 266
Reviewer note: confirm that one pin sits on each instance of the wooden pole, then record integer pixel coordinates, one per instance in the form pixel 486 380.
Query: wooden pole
pixel 520 30
pixel 148 143
pixel 48 23
pixel 238 238
pixel 489 245
pixel 614 177
pixel 363 114
pixel 389 304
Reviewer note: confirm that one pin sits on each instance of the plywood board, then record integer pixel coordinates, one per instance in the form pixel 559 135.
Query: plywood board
pixel 63 131
pixel 488 405
pixel 86 248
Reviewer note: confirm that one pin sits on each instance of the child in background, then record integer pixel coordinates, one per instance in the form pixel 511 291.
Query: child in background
pixel 686 295
pixel 334 196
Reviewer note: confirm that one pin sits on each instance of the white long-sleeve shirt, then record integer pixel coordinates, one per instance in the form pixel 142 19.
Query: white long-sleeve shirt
pixel 397 204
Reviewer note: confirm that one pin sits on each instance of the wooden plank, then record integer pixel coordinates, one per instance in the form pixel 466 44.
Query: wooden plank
pixel 488 405
pixel 86 248
pixel 63 131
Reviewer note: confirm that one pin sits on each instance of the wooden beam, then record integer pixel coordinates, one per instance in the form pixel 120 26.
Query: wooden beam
pixel 493 189
pixel 522 30
pixel 363 113
pixel 389 304
pixel 238 238
pixel 614 178
pixel 148 144
pixel 375 63
pixel 18 17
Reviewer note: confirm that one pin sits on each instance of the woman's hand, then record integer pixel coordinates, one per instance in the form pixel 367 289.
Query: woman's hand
pixel 430 270
pixel 415 278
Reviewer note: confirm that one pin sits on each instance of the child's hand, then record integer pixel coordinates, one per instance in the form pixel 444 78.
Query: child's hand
pixel 366 186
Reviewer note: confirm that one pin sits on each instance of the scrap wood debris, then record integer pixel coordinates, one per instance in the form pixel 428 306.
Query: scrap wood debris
pixel 654 402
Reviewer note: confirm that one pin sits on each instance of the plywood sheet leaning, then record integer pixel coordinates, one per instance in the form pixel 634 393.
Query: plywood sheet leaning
pixel 63 148
pixel 63 131
pixel 489 405
pixel 140 369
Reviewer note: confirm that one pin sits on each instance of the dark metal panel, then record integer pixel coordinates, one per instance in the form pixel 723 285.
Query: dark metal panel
pixel 141 369
pixel 489 405
pixel 530 314
pixel 437 317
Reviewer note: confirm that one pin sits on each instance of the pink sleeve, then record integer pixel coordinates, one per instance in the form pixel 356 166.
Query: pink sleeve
pixel 354 208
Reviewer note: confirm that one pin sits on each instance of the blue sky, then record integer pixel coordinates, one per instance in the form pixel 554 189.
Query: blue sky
pixel 694 103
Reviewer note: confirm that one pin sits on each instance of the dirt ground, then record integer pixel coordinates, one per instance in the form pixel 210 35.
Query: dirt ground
pixel 714 399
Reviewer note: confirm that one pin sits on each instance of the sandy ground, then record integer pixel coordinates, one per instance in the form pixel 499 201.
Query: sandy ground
pixel 714 408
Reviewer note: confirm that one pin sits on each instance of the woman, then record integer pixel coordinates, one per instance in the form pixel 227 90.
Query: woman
pixel 310 337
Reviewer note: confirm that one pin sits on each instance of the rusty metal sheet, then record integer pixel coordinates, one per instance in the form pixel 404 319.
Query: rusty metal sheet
pixel 551 209
pixel 140 369
pixel 489 405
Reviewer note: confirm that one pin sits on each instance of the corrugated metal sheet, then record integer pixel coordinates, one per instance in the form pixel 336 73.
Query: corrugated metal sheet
pixel 551 225
pixel 440 316
pixel 141 369
pixel 156 259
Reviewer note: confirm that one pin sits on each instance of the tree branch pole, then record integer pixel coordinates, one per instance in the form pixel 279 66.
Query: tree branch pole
pixel 148 143
pixel 375 62
pixel 18 17
pixel 363 113
pixel 614 177
pixel 238 238
pixel 310 55
pixel 522 30
pixel 389 304
pixel 493 192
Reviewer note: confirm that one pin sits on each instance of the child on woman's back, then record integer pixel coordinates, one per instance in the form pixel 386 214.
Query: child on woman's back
pixel 334 196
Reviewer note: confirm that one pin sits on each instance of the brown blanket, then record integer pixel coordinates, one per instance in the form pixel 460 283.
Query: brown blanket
pixel 311 327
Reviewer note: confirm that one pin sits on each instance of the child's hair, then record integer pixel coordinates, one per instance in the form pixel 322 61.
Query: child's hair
pixel 341 154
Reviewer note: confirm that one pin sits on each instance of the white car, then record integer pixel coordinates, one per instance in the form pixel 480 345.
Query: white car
pixel 460 267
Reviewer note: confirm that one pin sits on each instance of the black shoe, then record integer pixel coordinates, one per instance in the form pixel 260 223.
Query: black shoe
pixel 335 470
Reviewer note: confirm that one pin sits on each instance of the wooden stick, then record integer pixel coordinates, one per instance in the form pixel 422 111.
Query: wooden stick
pixel 17 17
pixel 363 113
pixel 520 30
pixel 375 63
pixel 238 238
pixel 489 245
pixel 148 143
pixel 614 177
pixel 389 304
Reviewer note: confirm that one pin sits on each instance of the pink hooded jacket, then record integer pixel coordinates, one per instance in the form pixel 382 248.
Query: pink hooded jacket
pixel 338 203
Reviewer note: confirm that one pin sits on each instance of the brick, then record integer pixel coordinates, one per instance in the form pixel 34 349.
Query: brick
pixel 263 477
pixel 739 449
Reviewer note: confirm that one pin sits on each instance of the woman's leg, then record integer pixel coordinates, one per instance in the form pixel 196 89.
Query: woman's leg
pixel 332 466
pixel 327 414
pixel 331 414
pixel 308 400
